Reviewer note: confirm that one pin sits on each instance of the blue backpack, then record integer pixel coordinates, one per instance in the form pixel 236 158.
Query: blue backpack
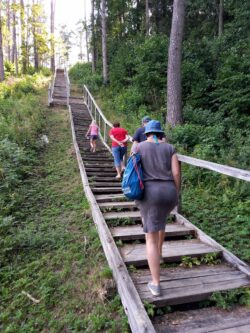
pixel 132 182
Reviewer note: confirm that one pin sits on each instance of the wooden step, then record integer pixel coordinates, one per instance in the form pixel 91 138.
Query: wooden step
pixel 182 285
pixel 104 179
pixel 105 197
pixel 102 174
pixel 206 320
pixel 117 205
pixel 103 184
pixel 106 190
pixel 95 168
pixel 135 215
pixel 136 231
pixel 172 251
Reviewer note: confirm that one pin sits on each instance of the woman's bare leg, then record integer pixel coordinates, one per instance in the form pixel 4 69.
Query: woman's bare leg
pixel 94 146
pixel 161 241
pixel 118 170
pixel 152 241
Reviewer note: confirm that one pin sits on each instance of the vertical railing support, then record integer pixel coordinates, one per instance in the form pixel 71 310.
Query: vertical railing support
pixel 180 194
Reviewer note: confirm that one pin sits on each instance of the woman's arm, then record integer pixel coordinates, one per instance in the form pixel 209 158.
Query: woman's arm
pixel 176 171
pixel 88 131
pixel 114 139
pixel 126 139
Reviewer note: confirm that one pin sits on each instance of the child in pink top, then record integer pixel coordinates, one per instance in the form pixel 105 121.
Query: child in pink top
pixel 93 132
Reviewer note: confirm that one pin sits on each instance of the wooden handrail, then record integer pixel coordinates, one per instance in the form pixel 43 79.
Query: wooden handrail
pixel 97 107
pixel 223 169
pixel 220 168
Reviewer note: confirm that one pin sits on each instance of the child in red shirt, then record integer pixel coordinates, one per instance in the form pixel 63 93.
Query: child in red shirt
pixel 119 137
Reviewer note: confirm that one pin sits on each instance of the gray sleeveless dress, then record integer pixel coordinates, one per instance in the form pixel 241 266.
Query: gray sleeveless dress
pixel 160 194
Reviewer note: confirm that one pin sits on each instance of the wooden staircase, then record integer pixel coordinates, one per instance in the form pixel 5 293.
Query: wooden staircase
pixel 180 285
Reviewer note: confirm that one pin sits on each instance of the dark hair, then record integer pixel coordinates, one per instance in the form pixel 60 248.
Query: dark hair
pixel 158 135
pixel 116 124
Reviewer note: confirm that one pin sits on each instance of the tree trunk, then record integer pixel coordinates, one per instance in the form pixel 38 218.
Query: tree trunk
pixel 52 31
pixel 9 30
pixel 221 13
pixel 104 42
pixel 1 47
pixel 36 60
pixel 93 49
pixel 14 39
pixel 174 94
pixel 86 33
pixel 23 33
pixel 146 18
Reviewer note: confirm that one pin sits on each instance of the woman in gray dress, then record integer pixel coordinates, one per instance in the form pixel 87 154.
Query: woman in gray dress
pixel 162 182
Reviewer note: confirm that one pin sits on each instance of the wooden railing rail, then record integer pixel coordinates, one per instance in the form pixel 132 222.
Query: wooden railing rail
pixel 220 168
pixel 97 114
pixel 67 84
pixel 51 89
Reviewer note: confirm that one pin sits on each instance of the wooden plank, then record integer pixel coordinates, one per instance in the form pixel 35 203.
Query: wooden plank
pixel 96 168
pixel 102 174
pixel 106 189
pixel 119 205
pixel 105 197
pixel 135 215
pixel 182 289
pixel 137 316
pixel 136 231
pixel 103 184
pixel 205 320
pixel 172 251
pixel 224 169
pixel 239 328
pixel 227 255
pixel 104 179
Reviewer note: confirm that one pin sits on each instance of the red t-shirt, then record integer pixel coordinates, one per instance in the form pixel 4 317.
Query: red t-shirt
pixel 119 134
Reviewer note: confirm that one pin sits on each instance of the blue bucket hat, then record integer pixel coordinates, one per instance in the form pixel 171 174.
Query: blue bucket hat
pixel 153 126
pixel 145 119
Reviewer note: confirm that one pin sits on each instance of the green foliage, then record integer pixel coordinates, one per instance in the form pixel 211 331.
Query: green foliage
pixel 49 247
pixel 208 259
pixel 226 300
pixel 21 121
pixel 150 308
pixel 9 68
pixel 82 74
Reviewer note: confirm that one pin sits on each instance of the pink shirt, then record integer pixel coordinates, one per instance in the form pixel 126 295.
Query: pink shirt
pixel 94 129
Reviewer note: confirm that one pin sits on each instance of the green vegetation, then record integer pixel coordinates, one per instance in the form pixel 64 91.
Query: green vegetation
pixel 215 73
pixel 208 259
pixel 226 300
pixel 50 248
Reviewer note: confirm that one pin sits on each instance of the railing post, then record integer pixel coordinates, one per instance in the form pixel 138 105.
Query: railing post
pixel 105 132
pixel 180 194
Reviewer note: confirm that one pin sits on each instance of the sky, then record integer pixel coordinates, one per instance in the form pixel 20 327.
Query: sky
pixel 69 12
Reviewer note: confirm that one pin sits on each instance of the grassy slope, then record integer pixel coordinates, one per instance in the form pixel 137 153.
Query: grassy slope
pixel 58 258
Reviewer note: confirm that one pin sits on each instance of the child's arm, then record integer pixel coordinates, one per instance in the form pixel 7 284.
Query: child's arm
pixel 88 131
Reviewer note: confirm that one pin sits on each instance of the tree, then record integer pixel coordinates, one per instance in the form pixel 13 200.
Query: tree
pixel 1 47
pixel 146 17
pixel 14 39
pixel 220 21
pixel 93 48
pixel 52 37
pixel 86 33
pixel 23 41
pixel 8 27
pixel 174 94
pixel 104 42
